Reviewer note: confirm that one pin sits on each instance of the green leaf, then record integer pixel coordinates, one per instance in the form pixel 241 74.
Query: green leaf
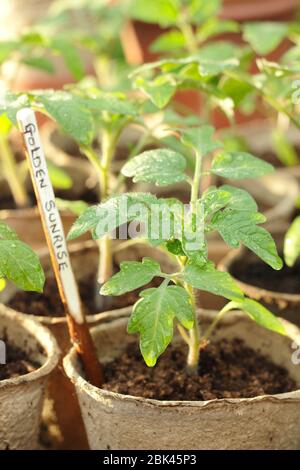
pixel 70 114
pixel 211 67
pixel 221 53
pixel 174 246
pixel 39 62
pixel 59 178
pixel 132 275
pixel 214 199
pixel 209 279
pixel 239 165
pixel 215 26
pixel 109 103
pixel 18 263
pixel 162 12
pixel 160 90
pixel 261 315
pixel 237 90
pixel 76 207
pixel 240 199
pixel 153 317
pixel 201 139
pixel 291 247
pixel 11 103
pixel 161 166
pixel 116 211
pixel 236 226
pixel 70 55
pixel 169 42
pixel 7 233
pixel 264 36
pixel 200 10
pixel 6 48
pixel 85 222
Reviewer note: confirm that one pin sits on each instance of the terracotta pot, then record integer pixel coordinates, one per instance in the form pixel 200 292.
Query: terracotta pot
pixel 115 421
pixel 21 398
pixel 138 36
pixel 244 10
pixel 84 257
pixel 281 303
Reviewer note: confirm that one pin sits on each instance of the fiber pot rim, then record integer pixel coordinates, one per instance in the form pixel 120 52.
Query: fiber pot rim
pixel 70 367
pixel 226 264
pixel 28 213
pixel 43 337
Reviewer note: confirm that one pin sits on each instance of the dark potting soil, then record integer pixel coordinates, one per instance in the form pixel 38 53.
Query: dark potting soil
pixel 227 369
pixel 17 363
pixel 260 275
pixel 48 303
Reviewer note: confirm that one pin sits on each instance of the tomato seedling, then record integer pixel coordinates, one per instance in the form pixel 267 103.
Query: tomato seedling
pixel 181 231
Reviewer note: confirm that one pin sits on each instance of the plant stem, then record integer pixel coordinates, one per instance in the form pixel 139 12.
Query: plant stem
pixel 108 145
pixel 196 183
pixel 105 269
pixel 10 170
pixel 194 346
pixel 188 33
pixel 183 334
pixel 135 151
pixel 210 329
pixel 194 333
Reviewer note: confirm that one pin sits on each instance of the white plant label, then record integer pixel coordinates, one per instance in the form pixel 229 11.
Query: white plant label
pixel 50 215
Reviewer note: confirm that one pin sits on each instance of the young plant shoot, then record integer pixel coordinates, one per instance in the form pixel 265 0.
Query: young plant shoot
pixel 181 231
pixel 89 116
pixel 13 172
pixel 190 25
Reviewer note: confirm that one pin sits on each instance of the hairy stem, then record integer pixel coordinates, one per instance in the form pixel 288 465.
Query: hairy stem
pixel 108 144
pixel 196 183
pixel 194 343
pixel 194 346
pixel 188 33
pixel 10 171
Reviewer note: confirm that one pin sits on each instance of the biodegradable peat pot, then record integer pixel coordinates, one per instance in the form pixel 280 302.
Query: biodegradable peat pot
pixel 21 398
pixel 84 258
pixel 123 422
pixel 27 224
pixel 241 262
